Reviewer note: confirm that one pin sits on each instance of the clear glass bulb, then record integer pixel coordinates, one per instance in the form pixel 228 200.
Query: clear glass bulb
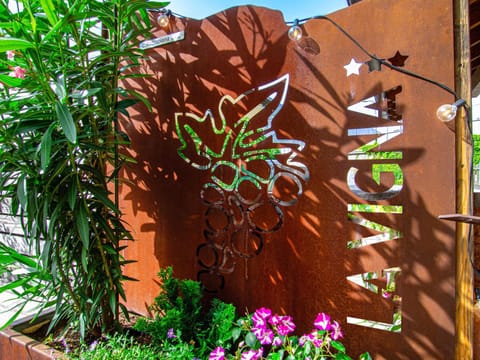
pixel 447 112
pixel 295 33
pixel 163 19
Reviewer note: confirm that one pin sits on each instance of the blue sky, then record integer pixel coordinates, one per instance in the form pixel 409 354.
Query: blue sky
pixel 199 9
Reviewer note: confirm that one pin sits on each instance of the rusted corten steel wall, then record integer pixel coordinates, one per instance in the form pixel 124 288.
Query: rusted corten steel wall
pixel 288 175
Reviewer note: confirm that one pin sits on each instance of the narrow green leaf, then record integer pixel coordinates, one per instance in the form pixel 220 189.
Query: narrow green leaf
pixel 14 284
pixel 72 195
pixel 342 356
pixel 83 226
pixel 13 44
pixel 113 301
pixel 102 196
pixel 338 345
pixel 122 105
pixel 125 311
pixel 49 9
pixel 20 258
pixel 10 81
pixel 140 97
pixel 365 356
pixel 46 148
pixel 84 258
pixel 22 191
pixel 14 316
pixel 85 93
pixel 66 121
pixel 59 87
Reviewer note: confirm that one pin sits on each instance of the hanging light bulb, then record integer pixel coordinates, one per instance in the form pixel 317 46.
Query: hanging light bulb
pixel 447 112
pixel 164 18
pixel 295 32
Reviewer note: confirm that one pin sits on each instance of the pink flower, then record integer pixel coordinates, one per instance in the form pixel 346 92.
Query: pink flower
pixel 316 341
pixel 337 332
pixel 264 335
pixel 18 72
pixel 260 317
pixel 322 322
pixel 252 354
pixel 277 341
pixel 312 337
pixel 217 354
pixel 303 339
pixel 263 313
pixel 10 54
pixel 283 324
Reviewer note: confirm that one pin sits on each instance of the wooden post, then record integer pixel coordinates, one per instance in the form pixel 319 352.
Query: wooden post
pixel 464 273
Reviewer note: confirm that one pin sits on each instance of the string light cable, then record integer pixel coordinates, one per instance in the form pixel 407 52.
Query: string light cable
pixel 373 57
pixel 295 33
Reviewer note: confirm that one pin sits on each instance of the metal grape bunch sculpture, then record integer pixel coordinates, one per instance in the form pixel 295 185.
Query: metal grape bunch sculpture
pixel 247 161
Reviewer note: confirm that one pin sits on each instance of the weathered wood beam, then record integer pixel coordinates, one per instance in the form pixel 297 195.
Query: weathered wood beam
pixel 464 271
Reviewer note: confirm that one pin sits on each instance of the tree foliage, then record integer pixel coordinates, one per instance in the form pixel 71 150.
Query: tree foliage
pixel 60 66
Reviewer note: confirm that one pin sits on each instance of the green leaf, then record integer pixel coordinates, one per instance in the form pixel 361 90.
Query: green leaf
pixel 102 196
pixel 66 121
pixel 342 356
pixel 338 345
pixel 7 43
pixel 46 148
pixel 14 316
pixel 83 226
pixel 84 258
pixel 10 81
pixel 278 355
pixel 365 356
pixel 113 301
pixel 59 87
pixel 72 195
pixel 49 9
pixel 15 255
pixel 251 340
pixel 122 105
pixel 307 348
pixel 22 191
pixel 14 284
pixel 236 332
pixel 85 93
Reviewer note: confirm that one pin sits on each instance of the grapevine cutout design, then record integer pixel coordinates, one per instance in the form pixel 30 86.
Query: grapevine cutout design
pixel 254 172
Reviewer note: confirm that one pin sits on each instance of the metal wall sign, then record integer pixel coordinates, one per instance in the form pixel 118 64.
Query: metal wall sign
pixel 302 176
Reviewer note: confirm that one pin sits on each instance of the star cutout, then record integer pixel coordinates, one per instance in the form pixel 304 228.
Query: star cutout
pixel 398 59
pixel 353 68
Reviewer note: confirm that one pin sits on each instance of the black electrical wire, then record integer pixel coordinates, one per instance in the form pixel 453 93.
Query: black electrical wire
pixel 374 57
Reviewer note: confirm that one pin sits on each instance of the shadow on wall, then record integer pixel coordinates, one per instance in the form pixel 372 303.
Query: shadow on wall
pixel 201 196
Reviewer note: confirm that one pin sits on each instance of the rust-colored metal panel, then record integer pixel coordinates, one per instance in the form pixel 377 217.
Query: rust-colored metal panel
pixel 288 175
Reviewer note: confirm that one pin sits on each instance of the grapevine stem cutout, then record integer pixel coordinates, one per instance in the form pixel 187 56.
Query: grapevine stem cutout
pixel 253 173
